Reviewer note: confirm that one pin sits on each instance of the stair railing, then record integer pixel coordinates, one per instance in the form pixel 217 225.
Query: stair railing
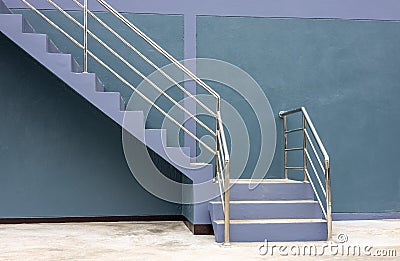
pixel 326 191
pixel 221 151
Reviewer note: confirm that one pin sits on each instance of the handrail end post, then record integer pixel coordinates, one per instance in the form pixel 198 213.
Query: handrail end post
pixel 227 205
pixel 328 198
pixel 85 36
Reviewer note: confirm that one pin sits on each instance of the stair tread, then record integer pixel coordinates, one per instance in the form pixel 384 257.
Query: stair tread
pixel 255 181
pixel 199 163
pixel 267 201
pixel 270 221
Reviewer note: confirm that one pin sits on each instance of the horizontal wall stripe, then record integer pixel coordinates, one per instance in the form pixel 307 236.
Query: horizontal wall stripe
pixel 365 216
pixel 351 9
pixel 196 229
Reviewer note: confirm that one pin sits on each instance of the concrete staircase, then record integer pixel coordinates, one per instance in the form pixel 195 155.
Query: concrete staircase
pixel 276 210
pixel 89 86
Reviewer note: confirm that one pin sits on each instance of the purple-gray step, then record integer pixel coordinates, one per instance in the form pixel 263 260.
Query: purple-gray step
pixel 272 189
pixel 267 209
pixel 273 230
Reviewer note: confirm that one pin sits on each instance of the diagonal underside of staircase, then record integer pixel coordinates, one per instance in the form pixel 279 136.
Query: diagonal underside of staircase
pixel 276 210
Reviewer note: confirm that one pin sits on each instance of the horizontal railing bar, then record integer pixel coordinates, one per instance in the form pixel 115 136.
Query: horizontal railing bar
pixel 316 194
pixel 294 130
pixel 311 126
pixel 52 24
pixel 218 140
pixel 152 83
pixel 147 60
pixel 158 48
pixel 293 149
pixel 315 151
pixel 295 168
pixel 133 68
pixel 221 128
pixel 150 102
pixel 315 134
pixel 315 172
pixel 286 113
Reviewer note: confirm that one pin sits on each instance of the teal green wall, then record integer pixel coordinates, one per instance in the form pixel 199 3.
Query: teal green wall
pixel 59 155
pixel 347 74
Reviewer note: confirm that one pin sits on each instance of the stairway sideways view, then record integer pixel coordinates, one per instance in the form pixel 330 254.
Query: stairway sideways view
pixel 276 210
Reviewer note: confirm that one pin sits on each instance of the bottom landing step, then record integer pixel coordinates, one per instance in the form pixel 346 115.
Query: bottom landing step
pixel 273 230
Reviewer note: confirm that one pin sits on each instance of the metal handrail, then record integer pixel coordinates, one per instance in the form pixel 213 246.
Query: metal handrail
pixel 312 128
pixel 307 159
pixel 221 152
pixel 130 66
pixel 158 48
pixel 123 40
pixel 84 47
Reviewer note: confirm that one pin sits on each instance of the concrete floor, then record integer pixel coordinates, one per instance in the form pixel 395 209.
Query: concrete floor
pixel 172 241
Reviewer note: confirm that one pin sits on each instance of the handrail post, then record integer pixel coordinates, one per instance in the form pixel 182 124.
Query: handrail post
pixel 227 207
pixel 217 119
pixel 328 199
pixel 85 36
pixel 304 147
pixel 217 152
pixel 285 160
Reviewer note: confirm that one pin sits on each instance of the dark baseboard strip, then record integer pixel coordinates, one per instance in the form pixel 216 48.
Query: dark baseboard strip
pixel 199 229
pixel 90 219
pixel 365 216
pixel 196 229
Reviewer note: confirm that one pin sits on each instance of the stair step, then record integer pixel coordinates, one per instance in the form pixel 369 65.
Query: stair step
pixel 273 230
pixel 11 23
pixel 178 155
pixel 133 122
pixel 156 137
pixel 272 190
pixel 237 202
pixel 37 42
pixel 256 181
pixel 271 221
pixel 59 61
pixel 110 100
pixel 257 209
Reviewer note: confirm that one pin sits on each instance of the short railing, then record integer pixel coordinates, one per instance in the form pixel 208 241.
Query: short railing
pixel 221 149
pixel 307 139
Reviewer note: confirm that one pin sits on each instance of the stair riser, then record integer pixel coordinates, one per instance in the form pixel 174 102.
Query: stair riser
pixel 10 23
pixel 59 62
pixel 272 191
pixel 274 232
pixel 268 210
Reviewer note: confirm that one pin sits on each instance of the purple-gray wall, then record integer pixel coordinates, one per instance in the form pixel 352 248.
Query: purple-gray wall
pixel 350 9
